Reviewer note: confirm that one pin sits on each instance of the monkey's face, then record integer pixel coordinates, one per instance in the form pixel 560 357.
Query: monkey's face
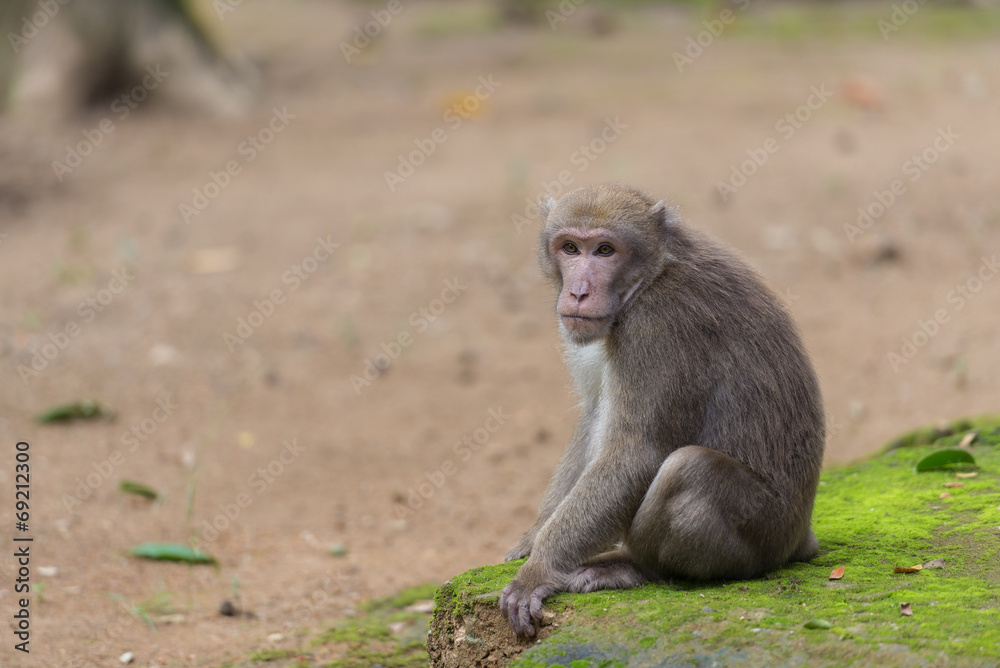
pixel 591 264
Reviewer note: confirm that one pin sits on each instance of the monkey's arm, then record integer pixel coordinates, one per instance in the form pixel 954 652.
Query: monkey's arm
pixel 571 465
pixel 595 514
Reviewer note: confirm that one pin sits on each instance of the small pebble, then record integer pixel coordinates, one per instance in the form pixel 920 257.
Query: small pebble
pixel 127 657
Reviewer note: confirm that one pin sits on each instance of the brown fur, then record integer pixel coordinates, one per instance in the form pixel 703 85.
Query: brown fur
pixel 701 437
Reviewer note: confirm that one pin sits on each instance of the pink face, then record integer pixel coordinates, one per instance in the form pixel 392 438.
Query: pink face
pixel 589 262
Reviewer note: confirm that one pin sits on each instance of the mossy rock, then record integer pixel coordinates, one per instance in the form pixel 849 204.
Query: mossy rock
pixel 870 517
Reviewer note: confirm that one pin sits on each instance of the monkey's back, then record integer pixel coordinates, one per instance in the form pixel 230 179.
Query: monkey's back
pixel 728 363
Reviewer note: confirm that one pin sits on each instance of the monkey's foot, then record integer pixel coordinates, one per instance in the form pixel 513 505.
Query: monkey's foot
pixel 522 548
pixel 623 574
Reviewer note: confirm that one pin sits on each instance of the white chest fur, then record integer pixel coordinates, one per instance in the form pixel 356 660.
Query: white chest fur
pixel 588 365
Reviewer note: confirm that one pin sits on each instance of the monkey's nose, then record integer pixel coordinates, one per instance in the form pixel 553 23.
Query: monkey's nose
pixel 580 290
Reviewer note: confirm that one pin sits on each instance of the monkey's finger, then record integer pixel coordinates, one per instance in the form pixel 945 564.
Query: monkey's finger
pixel 524 619
pixel 535 603
pixel 505 603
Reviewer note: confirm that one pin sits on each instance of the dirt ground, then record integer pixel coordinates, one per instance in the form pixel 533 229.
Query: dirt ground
pixel 290 443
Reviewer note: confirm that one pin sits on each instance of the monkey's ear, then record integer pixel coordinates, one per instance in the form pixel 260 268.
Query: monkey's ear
pixel 662 213
pixel 545 206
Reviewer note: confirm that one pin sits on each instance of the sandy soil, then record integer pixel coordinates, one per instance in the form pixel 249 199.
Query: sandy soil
pixel 284 453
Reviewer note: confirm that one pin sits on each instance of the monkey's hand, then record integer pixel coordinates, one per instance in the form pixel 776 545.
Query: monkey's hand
pixel 521 601
pixel 522 548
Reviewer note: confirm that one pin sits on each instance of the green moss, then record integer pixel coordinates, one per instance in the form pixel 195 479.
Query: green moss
pixel 403 599
pixel 869 517
pixel 799 22
pixel 383 633
pixel 438 22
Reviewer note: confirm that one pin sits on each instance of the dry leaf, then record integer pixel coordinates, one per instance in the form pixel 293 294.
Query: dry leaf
pixel 837 573
pixel 954 484
pixel 863 93
pixel 936 563
pixel 945 495
pixel 967 439
pixel 907 569
pixel 970 474
pixel 905 610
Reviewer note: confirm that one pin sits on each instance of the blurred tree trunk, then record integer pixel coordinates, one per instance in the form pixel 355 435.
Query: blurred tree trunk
pixel 63 55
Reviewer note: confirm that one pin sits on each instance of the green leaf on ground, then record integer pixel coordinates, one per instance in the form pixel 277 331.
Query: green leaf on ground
pixel 943 458
pixel 139 489
pixel 172 552
pixel 88 409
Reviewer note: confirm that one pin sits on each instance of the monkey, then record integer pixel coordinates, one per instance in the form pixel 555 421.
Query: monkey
pixel 700 439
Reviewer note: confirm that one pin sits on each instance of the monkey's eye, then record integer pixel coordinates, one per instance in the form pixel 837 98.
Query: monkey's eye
pixel 605 249
pixel 570 248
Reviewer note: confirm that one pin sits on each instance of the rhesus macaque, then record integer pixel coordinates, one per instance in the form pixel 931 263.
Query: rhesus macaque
pixel 700 442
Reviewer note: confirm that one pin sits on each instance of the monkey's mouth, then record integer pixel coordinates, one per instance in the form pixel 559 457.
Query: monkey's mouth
pixel 583 318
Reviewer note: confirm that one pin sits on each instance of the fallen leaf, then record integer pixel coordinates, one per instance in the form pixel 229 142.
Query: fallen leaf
pixel 968 439
pixel 954 484
pixel 837 573
pixel 970 474
pixel 172 552
pixel 137 488
pixel 907 569
pixel 818 624
pixel 88 409
pixel 942 458
pixel 936 563
pixel 945 495
pixel 465 103
pixel 863 93
pixel 905 610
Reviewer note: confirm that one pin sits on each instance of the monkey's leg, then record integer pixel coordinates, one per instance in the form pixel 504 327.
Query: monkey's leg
pixel 807 549
pixel 567 472
pixel 707 516
pixel 612 570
